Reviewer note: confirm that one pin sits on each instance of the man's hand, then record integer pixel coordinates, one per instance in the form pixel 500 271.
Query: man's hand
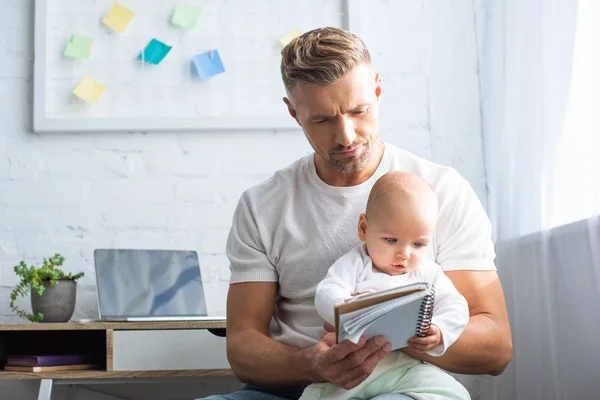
pixel 346 364
pixel 426 343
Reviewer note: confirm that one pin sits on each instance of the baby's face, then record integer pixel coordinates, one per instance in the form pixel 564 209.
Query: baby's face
pixel 397 236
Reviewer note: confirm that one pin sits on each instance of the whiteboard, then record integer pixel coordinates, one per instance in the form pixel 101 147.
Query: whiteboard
pixel 144 97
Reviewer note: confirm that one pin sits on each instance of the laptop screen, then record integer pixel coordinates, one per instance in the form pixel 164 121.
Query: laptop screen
pixel 146 283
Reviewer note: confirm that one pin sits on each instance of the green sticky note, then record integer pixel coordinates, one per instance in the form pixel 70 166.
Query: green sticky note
pixel 185 16
pixel 79 47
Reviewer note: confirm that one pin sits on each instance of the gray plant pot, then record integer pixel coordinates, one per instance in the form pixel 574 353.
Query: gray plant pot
pixel 56 303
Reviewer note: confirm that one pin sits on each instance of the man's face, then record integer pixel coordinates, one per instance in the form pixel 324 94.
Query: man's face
pixel 340 120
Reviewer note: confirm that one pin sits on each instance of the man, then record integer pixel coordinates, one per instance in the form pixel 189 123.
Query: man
pixel 288 231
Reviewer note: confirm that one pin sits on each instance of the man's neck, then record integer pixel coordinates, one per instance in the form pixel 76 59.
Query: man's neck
pixel 333 177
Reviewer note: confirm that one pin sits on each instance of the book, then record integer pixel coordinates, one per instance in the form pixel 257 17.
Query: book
pixel 398 314
pixel 73 367
pixel 44 360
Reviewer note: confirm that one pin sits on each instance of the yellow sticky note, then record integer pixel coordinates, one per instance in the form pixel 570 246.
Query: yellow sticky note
pixel 288 37
pixel 118 17
pixel 89 90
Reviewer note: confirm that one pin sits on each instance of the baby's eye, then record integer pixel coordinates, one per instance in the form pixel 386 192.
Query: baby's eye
pixel 391 240
pixel 419 244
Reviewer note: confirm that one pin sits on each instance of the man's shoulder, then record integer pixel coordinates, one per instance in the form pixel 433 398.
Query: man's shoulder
pixel 282 183
pixel 435 174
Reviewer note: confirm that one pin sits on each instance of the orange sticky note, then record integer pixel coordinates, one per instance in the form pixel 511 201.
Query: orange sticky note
pixel 89 90
pixel 118 17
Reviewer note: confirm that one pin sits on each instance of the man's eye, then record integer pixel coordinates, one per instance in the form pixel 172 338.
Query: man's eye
pixel 391 240
pixel 358 112
pixel 320 121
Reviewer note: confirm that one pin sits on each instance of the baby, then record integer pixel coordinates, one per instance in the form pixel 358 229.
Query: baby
pixel 396 230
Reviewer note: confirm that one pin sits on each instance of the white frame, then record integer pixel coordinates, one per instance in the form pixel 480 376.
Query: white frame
pixel 43 124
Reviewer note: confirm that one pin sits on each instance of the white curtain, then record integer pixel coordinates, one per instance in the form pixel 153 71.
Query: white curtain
pixel 540 82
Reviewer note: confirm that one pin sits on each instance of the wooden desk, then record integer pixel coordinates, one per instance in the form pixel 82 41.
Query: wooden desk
pixel 96 338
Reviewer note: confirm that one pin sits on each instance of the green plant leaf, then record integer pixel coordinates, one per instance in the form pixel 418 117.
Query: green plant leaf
pixel 32 278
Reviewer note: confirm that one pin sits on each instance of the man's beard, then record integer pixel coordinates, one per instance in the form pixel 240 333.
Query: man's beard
pixel 354 163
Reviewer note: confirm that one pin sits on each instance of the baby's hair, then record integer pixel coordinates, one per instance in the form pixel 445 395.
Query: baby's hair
pixel 400 184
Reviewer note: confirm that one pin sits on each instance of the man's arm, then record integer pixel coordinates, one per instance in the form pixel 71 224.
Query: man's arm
pixel 485 346
pixel 256 358
pixel 253 355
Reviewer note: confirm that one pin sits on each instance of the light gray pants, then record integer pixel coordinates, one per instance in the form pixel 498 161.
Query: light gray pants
pixel 250 392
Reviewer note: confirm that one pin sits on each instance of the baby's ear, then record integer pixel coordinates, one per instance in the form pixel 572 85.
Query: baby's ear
pixel 362 227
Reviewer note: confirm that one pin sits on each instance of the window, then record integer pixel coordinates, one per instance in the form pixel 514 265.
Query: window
pixel 577 186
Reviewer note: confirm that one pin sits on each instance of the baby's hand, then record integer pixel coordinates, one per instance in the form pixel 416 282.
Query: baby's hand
pixel 429 342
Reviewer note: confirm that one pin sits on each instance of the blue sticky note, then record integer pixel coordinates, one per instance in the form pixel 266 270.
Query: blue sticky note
pixel 154 52
pixel 208 64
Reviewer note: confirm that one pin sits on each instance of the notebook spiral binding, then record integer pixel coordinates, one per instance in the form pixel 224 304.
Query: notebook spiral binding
pixel 425 313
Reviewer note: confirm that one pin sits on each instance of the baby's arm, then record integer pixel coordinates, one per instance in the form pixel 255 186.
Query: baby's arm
pixel 450 314
pixel 338 285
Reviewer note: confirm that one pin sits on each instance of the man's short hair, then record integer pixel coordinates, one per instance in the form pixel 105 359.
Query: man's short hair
pixel 321 57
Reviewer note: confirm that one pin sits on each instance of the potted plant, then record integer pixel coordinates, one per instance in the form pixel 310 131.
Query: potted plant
pixel 53 292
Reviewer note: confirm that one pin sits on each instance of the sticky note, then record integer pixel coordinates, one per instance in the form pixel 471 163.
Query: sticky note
pixel 79 47
pixel 208 64
pixel 118 17
pixel 154 52
pixel 89 90
pixel 288 37
pixel 185 16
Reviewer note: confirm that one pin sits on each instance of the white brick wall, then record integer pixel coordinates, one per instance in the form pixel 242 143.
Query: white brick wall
pixel 72 193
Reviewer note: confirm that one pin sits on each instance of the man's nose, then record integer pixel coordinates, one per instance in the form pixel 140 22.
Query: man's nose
pixel 345 132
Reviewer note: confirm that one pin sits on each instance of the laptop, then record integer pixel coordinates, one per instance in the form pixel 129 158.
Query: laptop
pixel 150 285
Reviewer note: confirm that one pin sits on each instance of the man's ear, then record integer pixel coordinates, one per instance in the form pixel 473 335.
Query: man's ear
pixel 291 109
pixel 378 86
pixel 362 227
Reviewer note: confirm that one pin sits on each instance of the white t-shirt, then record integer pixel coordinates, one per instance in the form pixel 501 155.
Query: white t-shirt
pixel 291 228
pixel 354 273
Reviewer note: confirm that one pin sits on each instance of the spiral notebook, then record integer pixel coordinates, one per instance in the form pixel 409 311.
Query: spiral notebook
pixel 398 314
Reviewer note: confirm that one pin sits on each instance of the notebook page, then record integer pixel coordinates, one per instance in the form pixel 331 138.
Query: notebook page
pixel 397 321
pixel 401 289
pixel 361 318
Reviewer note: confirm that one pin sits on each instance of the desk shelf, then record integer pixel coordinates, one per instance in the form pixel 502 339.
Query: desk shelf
pixel 97 374
pixel 121 326
pixel 97 339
